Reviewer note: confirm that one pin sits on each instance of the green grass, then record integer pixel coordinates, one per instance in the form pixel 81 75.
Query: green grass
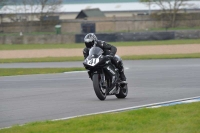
pixel 80 58
pixel 40 46
pixel 82 45
pixel 183 118
pixel 26 71
pixel 47 59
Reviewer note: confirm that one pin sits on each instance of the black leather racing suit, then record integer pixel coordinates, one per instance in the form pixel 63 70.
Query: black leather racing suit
pixel 108 50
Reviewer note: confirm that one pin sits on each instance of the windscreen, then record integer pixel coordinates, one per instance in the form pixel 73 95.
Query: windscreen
pixel 95 51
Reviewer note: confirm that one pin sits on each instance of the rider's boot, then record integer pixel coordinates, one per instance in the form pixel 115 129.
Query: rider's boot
pixel 121 71
pixel 122 76
pixel 118 63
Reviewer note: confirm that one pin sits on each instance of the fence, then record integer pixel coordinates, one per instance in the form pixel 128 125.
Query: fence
pixel 101 25
pixel 113 37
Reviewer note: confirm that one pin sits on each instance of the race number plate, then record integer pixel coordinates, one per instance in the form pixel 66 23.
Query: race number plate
pixel 93 61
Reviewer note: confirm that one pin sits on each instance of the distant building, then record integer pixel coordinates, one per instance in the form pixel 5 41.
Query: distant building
pixel 90 13
pixel 72 9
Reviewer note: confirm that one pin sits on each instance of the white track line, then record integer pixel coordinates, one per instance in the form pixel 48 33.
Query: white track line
pixel 129 108
pixel 124 109
pixel 85 71
pixel 76 72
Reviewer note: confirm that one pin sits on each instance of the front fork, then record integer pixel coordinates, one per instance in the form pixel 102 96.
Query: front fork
pixel 102 77
pixel 106 84
pixel 90 74
pixel 103 81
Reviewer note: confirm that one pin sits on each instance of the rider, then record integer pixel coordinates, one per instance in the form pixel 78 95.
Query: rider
pixel 90 39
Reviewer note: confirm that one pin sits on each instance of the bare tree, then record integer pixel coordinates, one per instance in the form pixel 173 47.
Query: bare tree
pixel 47 7
pixel 148 3
pixel 29 9
pixel 26 10
pixel 42 7
pixel 2 3
pixel 13 11
pixel 170 8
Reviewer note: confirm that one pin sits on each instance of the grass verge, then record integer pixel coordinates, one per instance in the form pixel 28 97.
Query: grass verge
pixel 46 59
pixel 26 71
pixel 164 56
pixel 80 58
pixel 81 45
pixel 183 118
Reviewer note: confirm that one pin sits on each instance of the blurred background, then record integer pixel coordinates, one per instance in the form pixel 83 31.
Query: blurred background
pixel 24 21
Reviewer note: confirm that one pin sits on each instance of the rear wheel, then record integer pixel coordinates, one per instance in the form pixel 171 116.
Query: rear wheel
pixel 123 91
pixel 100 92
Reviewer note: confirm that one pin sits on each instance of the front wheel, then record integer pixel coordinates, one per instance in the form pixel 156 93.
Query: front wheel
pixel 100 92
pixel 123 91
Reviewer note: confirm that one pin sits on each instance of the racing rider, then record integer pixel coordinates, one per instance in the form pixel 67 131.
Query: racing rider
pixel 90 39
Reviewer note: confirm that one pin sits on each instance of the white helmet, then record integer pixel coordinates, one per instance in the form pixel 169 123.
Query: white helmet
pixel 90 39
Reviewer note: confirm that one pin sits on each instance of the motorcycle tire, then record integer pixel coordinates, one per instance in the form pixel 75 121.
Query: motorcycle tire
pixel 97 87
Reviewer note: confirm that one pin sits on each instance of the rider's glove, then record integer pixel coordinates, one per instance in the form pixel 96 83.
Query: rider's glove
pixel 109 56
pixel 112 54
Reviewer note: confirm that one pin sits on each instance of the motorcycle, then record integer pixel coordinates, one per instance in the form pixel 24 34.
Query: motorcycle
pixel 104 74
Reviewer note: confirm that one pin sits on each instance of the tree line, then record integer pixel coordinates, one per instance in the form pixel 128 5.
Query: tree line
pixel 170 9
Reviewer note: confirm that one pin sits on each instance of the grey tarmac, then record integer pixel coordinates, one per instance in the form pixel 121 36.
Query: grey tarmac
pixel 43 97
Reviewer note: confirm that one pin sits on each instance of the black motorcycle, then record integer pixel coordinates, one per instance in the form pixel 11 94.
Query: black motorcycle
pixel 104 74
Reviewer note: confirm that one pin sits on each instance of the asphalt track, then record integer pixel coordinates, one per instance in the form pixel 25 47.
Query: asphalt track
pixel 52 96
